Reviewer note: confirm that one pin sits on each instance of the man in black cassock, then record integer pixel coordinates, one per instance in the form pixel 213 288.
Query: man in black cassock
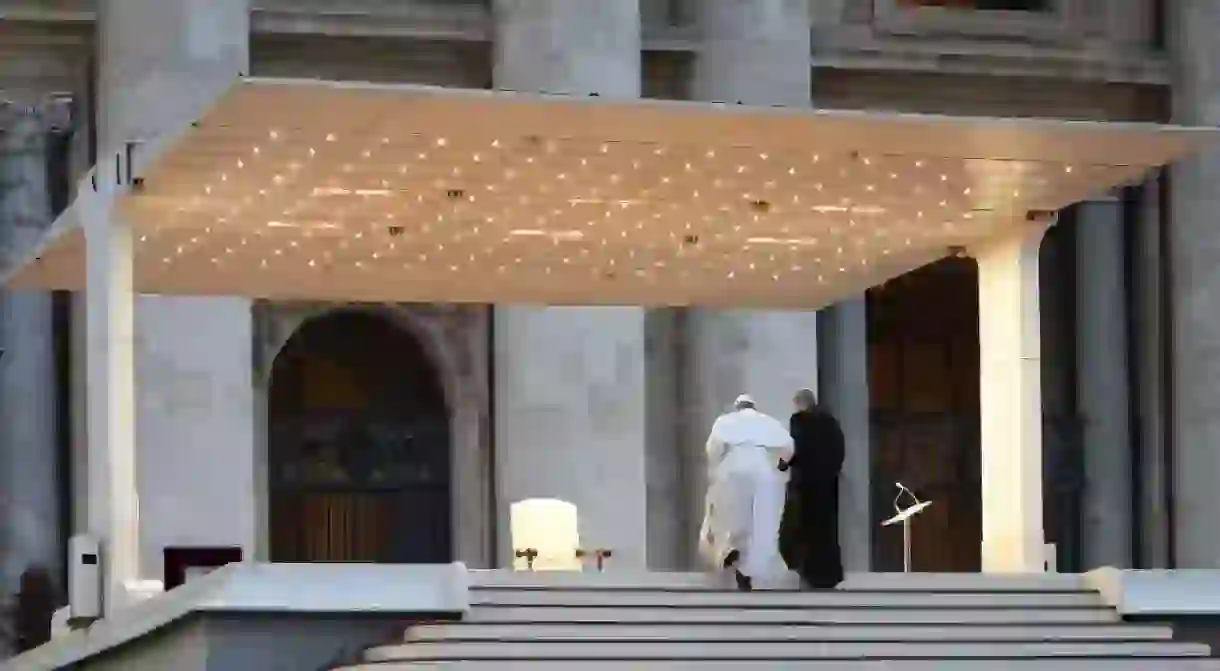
pixel 809 532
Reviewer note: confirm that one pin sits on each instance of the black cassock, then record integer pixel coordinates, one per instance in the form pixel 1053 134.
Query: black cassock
pixel 809 532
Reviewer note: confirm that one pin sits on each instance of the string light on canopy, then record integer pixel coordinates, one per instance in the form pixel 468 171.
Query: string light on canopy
pixel 415 207
pixel 549 204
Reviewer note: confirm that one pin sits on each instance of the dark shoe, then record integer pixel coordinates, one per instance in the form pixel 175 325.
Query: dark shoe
pixel 807 587
pixel 818 585
pixel 744 582
pixel 731 558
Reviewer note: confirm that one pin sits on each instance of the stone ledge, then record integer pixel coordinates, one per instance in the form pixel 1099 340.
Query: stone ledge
pixel 1158 593
pixel 863 582
pixel 267 588
pixel 433 25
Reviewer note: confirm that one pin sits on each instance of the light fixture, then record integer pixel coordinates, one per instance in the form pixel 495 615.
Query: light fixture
pixel 554 235
pixel 323 191
pixel 790 242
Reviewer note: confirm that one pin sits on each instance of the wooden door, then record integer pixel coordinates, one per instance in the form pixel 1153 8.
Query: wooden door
pixel 924 376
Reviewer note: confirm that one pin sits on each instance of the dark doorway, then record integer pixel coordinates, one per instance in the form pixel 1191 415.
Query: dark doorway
pixel 924 388
pixel 359 445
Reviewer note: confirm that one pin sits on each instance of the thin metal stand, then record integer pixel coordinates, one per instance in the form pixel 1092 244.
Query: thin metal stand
pixel 905 515
pixel 906 545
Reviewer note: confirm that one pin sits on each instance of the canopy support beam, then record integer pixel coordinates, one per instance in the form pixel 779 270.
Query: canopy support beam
pixel 1010 392
pixel 113 514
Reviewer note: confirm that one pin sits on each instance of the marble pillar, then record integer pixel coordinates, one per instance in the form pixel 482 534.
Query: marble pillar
pixel 1010 391
pixel 753 52
pixel 1103 393
pixel 843 390
pixel 671 543
pixel 80 162
pixel 578 47
pixel 1061 438
pixel 30 514
pixel 570 388
pixel 1149 309
pixel 161 63
pixel 1194 253
pixel 110 391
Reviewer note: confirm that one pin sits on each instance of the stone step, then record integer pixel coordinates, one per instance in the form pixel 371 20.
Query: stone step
pixel 968 582
pixel 568 631
pixel 665 615
pixel 1032 664
pixel 788 650
pixel 612 580
pixel 909 582
pixel 637 598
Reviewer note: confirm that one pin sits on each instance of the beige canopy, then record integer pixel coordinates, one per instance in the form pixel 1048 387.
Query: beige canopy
pixel 345 191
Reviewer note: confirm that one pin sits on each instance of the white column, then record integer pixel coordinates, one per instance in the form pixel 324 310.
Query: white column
pixel 767 354
pixel 568 46
pixel 1010 392
pixel 29 459
pixel 570 389
pixel 1150 388
pixel 79 470
pixel 162 62
pixel 110 394
pixel 754 52
pixel 670 541
pixel 843 389
pixel 1194 252
pixel 1103 394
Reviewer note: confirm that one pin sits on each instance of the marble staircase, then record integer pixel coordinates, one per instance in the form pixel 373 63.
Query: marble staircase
pixel 621 621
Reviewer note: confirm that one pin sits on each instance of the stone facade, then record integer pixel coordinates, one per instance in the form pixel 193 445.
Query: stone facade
pixel 31 537
pixel 1084 60
pixel 1195 292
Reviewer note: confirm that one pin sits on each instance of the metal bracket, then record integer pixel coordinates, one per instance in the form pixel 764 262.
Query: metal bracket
pixel 600 555
pixel 529 555
pixel 1044 217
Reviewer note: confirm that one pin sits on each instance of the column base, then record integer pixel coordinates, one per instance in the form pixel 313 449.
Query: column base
pixel 137 591
pixel 1014 554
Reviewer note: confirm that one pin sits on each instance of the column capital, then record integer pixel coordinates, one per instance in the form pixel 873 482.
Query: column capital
pixel 1027 234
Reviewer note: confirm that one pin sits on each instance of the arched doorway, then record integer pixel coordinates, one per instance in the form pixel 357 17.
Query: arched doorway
pixel 358 445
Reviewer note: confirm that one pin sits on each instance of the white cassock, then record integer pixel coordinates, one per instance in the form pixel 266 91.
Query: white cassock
pixel 745 494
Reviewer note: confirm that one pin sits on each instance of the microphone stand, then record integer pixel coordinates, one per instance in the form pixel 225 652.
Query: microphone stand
pixel 905 515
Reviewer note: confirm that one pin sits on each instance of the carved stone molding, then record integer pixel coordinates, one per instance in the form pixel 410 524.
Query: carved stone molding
pixel 50 114
pixel 1062 23
pixel 456 19
pixel 48 10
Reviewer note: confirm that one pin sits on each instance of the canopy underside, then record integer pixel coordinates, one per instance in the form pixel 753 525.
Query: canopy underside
pixel 334 191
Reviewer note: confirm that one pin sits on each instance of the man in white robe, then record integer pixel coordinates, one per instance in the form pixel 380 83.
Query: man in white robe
pixel 745 496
